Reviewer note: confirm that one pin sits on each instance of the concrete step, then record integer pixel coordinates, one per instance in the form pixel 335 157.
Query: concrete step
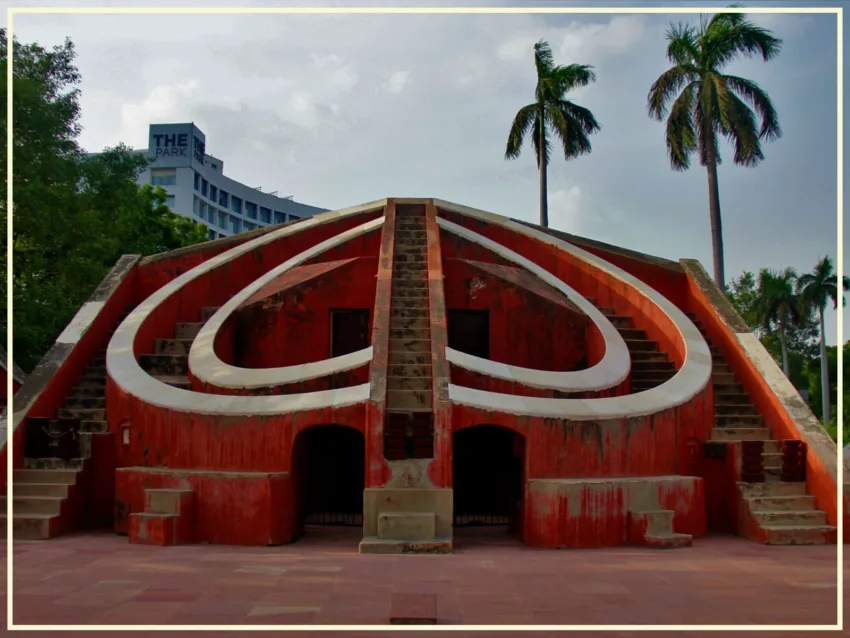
pixel 410 323
pixel 56 490
pixel 409 359
pixel 721 409
pixel 407 526
pixel 84 401
pixel 798 502
pixel 187 330
pixel 176 381
pixel 49 505
pixel 409 383
pixel 740 434
pixel 375 545
pixel 413 400
pixel 800 535
pixel 410 345
pixel 173 346
pixel 772 489
pixel 63 476
pixel 409 371
pixel 165 364
pixel 737 420
pixel 30 527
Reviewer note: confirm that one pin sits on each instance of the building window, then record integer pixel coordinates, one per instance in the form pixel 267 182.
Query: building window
pixel 197 182
pixel 235 225
pixel 211 234
pixel 265 215
pixel 203 187
pixel 163 177
pixel 213 194
pixel 279 217
pixel 248 226
pixel 222 219
pixel 236 204
pixel 169 201
pixel 223 196
pixel 251 210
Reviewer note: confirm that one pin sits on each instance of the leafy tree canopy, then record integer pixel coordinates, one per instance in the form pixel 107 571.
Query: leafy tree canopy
pixel 74 214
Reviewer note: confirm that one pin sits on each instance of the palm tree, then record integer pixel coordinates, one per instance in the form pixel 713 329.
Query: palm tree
pixel 777 307
pixel 551 114
pixel 816 289
pixel 704 103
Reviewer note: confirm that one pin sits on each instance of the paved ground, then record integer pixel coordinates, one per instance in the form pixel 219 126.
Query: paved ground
pixel 100 578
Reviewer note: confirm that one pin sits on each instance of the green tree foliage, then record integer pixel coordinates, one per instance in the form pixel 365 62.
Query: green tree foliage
pixel 74 215
pixel 553 116
pixel 701 103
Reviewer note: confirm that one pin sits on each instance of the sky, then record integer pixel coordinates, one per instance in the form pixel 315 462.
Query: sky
pixel 338 110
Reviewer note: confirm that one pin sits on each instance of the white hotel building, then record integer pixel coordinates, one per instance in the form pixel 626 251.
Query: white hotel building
pixel 198 189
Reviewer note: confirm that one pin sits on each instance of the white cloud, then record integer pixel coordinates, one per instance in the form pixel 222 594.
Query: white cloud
pixel 397 82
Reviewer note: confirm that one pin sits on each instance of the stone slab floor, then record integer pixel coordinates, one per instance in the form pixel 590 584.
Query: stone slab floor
pixel 99 578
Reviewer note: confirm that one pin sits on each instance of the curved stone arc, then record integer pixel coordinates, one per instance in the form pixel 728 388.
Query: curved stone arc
pixel 124 369
pixel 612 370
pixel 207 367
pixel 689 380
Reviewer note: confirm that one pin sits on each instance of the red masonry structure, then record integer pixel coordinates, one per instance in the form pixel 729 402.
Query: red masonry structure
pixel 410 366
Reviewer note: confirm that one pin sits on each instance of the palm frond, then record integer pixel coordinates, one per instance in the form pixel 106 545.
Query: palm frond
pixel 681 137
pixel 761 102
pixel 520 127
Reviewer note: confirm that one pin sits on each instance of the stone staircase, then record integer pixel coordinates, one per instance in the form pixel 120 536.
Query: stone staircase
pixel 650 366
pixel 170 361
pixel 46 491
pixel 409 430
pixel 782 512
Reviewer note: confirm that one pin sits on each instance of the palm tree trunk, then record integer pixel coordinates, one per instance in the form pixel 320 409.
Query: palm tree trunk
pixel 714 216
pixel 824 371
pixel 786 368
pixel 541 161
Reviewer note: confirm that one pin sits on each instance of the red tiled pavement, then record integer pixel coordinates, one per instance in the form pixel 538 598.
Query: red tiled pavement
pixel 99 578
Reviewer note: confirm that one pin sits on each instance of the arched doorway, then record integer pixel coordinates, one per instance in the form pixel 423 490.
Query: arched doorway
pixel 330 474
pixel 488 479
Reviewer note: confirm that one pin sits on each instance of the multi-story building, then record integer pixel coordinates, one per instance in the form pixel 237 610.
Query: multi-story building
pixel 198 188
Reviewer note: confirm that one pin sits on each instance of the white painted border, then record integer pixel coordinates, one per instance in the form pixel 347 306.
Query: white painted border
pixel 125 371
pixel 612 370
pixel 690 380
pixel 206 365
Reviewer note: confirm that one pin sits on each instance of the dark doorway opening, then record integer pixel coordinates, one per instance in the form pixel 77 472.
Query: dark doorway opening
pixel 349 331
pixel 488 477
pixel 330 474
pixel 469 332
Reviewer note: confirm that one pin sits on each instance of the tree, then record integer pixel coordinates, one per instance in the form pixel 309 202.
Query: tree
pixel 74 215
pixel 778 306
pixel 701 103
pixel 553 115
pixel 815 290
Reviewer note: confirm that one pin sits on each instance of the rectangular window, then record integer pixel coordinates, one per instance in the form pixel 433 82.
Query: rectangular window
pixel 222 198
pixel 235 225
pixel 222 219
pixel 163 177
pixel 213 193
pixel 236 204
pixel 265 215
pixel 204 184
pixel 251 210
pixel 169 201
pixel 248 226
pixel 197 182
pixel 211 234
pixel 279 217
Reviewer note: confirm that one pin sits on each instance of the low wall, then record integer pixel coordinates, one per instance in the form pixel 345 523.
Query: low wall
pixel 231 508
pixel 587 513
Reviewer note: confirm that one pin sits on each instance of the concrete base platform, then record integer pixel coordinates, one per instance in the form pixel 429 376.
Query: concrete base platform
pixel 375 545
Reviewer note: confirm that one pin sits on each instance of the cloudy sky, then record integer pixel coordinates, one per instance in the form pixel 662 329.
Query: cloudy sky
pixel 342 109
